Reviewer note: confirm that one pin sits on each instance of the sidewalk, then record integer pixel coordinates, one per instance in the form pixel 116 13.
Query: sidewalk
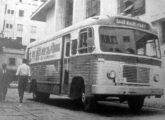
pixel 11 109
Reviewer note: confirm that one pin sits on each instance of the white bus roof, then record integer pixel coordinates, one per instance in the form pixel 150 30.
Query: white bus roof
pixel 96 20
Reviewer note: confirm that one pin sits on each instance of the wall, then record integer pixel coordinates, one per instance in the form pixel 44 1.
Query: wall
pixel 108 7
pixel 79 10
pixel 154 10
pixel 12 53
pixel 60 13
pixel 2 9
pixel 50 21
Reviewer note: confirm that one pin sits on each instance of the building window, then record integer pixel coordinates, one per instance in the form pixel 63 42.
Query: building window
pixel 12 61
pixel 12 11
pixel 8 11
pixel 33 29
pixel 19 27
pixel 93 8
pixel 32 40
pixel 126 39
pixel 7 25
pixel 11 26
pixel 21 13
pixel 132 7
pixel 19 40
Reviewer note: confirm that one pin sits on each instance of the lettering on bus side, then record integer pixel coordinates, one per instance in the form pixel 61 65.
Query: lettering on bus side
pixel 46 51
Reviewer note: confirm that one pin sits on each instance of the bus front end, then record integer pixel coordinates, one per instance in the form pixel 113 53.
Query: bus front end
pixel 127 66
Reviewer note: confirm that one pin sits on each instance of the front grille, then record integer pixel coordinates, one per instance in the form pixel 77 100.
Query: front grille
pixel 136 74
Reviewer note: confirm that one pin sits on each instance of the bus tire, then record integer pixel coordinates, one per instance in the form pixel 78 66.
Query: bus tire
pixel 77 88
pixel 89 103
pixel 135 103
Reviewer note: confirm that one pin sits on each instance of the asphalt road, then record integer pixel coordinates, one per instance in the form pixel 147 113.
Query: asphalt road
pixel 60 108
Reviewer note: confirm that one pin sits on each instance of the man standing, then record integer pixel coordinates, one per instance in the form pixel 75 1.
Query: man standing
pixel 23 73
pixel 4 82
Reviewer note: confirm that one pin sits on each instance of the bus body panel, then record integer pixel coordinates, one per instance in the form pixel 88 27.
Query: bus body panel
pixel 47 75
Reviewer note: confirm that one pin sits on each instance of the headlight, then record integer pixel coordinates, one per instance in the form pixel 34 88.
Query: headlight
pixel 111 75
pixel 156 78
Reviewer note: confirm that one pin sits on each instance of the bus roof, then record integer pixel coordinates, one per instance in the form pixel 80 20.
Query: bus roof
pixel 100 20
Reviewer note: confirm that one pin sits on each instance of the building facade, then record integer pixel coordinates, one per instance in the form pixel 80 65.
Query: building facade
pixel 11 53
pixel 16 23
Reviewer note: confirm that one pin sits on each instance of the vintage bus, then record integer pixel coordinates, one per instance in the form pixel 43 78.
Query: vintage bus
pixel 101 58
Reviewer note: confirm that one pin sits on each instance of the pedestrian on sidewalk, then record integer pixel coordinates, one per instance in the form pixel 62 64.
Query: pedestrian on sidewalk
pixel 4 82
pixel 23 74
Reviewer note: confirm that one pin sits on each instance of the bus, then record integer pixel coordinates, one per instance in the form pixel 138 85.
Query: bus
pixel 101 58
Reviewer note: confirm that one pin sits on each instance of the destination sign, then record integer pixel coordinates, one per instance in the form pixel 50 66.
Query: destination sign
pixel 132 23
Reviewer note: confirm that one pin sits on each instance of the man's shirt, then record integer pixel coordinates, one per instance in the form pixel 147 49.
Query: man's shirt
pixel 23 70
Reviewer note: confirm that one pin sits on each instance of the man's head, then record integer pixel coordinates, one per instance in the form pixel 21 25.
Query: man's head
pixel 24 60
pixel 4 65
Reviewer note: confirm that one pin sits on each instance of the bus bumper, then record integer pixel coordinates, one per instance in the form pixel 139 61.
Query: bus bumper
pixel 126 90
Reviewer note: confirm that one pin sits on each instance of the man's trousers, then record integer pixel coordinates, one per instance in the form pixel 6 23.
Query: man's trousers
pixel 22 86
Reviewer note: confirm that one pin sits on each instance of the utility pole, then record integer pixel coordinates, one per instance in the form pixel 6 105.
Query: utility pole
pixel 4 21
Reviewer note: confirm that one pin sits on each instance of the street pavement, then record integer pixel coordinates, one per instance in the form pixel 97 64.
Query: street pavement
pixel 59 108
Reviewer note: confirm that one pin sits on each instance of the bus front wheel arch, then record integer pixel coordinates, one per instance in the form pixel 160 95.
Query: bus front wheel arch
pixel 77 88
pixel 78 95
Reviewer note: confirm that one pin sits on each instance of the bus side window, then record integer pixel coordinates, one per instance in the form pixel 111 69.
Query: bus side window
pixel 86 40
pixel 74 47
pixel 67 52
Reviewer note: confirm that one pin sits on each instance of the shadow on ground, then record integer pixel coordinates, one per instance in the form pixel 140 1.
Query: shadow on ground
pixel 104 109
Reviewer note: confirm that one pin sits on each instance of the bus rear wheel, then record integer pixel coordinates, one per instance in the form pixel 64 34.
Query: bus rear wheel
pixel 135 103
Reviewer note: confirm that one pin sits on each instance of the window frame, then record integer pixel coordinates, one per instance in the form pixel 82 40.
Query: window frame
pixel 7 25
pixel 12 61
pixel 33 29
pixel 79 40
pixel 20 27
pixel 21 13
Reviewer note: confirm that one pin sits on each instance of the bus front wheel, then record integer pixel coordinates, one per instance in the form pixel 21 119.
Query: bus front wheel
pixel 89 103
pixel 135 103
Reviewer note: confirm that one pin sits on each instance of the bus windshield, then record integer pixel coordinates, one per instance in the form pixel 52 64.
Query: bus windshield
pixel 128 41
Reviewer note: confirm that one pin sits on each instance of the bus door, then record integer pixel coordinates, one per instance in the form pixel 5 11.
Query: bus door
pixel 65 62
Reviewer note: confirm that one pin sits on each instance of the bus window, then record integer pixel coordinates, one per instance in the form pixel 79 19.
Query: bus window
pixel 86 42
pixel 67 52
pixel 129 41
pixel 74 47
pixel 147 44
